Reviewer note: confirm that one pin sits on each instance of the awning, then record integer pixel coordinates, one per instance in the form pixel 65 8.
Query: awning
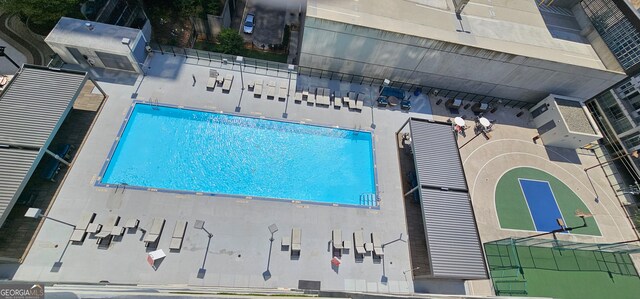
pixel 32 108
pixel 450 228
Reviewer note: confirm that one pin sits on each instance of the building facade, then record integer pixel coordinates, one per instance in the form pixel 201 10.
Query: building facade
pixel 508 51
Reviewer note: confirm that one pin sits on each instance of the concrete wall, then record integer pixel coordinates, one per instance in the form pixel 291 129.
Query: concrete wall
pixel 561 136
pixel 217 23
pixel 92 58
pixel 351 49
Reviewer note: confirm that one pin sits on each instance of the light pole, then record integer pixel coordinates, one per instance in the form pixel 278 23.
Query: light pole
pixel 200 225
pixel 37 213
pixel 2 53
pixel 290 68
pixel 240 59
pixel 385 83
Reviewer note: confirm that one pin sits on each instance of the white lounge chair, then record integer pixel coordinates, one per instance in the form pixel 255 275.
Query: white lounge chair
pixel 298 97
pixel 296 240
pixel 358 242
pixel 359 102
pixel 257 89
pixel 377 244
pixel 153 234
pixel 271 90
pixel 228 80
pixel 322 97
pixel 213 76
pixel 80 231
pixel 178 235
pixel 337 101
pixel 311 98
pixel 107 228
pixel 336 239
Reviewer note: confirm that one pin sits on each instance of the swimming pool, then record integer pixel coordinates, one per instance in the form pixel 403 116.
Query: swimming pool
pixel 173 149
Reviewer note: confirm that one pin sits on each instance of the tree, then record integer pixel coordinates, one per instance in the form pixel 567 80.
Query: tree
pixel 230 42
pixel 42 11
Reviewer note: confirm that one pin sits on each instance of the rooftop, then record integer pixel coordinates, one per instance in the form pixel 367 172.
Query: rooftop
pixel 515 27
pixel 575 116
pixel 102 36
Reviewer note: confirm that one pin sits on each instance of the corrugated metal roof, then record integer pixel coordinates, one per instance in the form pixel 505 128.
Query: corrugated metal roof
pixel 33 104
pixel 452 236
pixel 14 167
pixel 436 155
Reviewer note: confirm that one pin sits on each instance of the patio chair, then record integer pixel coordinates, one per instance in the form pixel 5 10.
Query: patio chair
pixel 282 93
pixel 107 228
pixel 311 98
pixel 337 101
pixel 322 97
pixel 257 89
pixel 377 244
pixel 80 231
pixel 228 80
pixel 336 239
pixel 154 232
pixel 178 235
pixel 350 100
pixel 271 90
pixel 358 242
pixel 213 76
pixel 298 98
pixel 359 102
pixel 296 242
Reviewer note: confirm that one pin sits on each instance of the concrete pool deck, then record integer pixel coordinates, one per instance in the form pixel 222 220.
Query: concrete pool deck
pixel 240 249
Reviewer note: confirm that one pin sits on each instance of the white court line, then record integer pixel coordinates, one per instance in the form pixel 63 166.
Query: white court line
pixel 527 202
pixel 552 194
pixel 569 173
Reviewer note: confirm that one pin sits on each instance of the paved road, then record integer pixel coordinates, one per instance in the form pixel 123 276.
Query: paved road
pixel 15 42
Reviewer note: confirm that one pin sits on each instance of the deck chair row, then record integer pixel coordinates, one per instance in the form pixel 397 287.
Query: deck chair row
pixel 105 232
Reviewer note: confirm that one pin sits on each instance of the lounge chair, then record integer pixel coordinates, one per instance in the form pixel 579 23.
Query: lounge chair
pixel 337 101
pixel 282 93
pixel 298 97
pixel 153 234
pixel 322 97
pixel 311 98
pixel 358 242
pixel 80 231
pixel 257 89
pixel 213 76
pixel 305 94
pixel 271 90
pixel 178 235
pixel 296 242
pixel 377 244
pixel 228 80
pixel 359 102
pixel 105 233
pixel 350 100
pixel 336 239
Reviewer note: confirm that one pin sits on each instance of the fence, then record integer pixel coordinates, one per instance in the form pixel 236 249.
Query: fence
pixel 257 66
pixel 411 87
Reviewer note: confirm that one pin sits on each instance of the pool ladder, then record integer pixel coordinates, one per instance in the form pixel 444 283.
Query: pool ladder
pixel 154 103
pixel 368 199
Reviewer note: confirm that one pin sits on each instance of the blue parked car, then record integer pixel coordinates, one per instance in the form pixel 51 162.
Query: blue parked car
pixel 249 23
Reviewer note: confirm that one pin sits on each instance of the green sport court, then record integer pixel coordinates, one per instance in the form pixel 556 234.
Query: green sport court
pixel 530 199
pixel 591 271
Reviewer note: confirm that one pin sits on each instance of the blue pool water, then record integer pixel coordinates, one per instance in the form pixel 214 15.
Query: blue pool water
pixel 179 149
pixel 542 204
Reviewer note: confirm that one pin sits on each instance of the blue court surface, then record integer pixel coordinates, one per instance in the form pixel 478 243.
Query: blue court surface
pixel 542 204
